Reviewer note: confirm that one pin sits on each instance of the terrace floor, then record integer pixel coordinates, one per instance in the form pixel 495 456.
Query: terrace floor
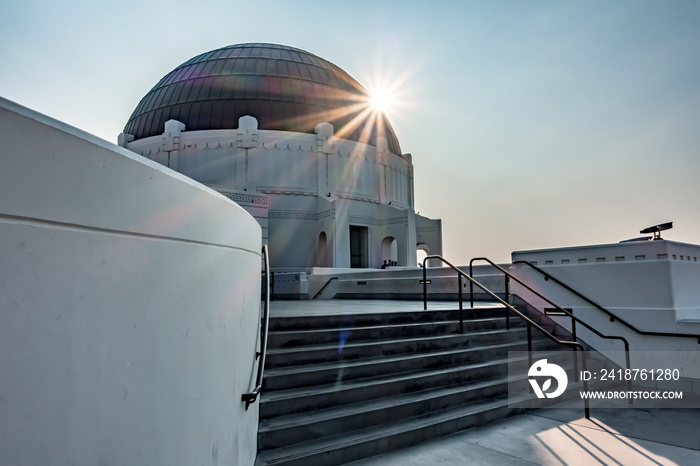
pixel 563 436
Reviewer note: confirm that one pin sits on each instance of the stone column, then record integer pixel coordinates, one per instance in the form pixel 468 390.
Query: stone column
pixel 409 163
pixel 170 142
pixel 383 161
pixel 247 140
pixel 324 148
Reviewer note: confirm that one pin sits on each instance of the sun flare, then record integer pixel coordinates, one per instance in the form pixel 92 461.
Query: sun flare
pixel 379 101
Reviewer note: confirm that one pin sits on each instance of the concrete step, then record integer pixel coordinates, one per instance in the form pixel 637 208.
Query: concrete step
pixel 338 388
pixel 286 430
pixel 337 373
pixel 314 354
pixel 313 398
pixel 391 434
pixel 369 319
pixel 340 449
pixel 319 336
pixel 294 338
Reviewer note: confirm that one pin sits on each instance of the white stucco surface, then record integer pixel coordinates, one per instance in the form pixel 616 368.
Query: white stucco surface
pixel 650 284
pixel 129 306
pixel 301 187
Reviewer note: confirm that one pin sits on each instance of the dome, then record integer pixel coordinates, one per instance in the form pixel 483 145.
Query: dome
pixel 284 88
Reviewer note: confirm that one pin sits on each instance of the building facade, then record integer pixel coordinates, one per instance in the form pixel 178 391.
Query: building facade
pixel 293 139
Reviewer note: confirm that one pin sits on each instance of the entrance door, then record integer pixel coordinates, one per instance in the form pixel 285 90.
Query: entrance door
pixel 358 247
pixel 322 259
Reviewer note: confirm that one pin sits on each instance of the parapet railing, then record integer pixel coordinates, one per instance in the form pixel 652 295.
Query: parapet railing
pixel 250 397
pixel 530 322
pixel 508 276
pixel 612 316
pixel 324 287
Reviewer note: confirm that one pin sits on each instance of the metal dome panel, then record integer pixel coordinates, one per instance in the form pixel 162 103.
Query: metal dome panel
pixel 284 88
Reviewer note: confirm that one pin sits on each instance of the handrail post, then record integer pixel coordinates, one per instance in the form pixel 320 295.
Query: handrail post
pixel 529 349
pixel 508 301
pixel 471 285
pixel 627 360
pixel 425 288
pixel 507 290
pixel 573 335
pixel 587 409
pixel 461 312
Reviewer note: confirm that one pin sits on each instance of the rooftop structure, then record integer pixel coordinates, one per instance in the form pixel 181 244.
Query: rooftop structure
pixel 293 139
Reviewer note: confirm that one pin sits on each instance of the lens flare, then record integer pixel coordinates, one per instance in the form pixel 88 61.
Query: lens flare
pixel 379 100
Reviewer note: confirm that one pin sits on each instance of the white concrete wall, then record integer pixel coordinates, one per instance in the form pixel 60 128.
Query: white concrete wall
pixel 129 306
pixel 653 285
pixel 284 162
pixel 402 283
pixel 429 235
pixel 298 185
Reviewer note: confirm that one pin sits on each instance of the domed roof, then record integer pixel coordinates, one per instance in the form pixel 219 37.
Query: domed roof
pixel 284 88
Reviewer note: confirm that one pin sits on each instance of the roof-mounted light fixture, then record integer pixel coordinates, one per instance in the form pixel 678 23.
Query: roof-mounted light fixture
pixel 657 229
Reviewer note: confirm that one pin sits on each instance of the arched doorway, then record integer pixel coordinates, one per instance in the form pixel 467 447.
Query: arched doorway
pixel 422 251
pixel 390 250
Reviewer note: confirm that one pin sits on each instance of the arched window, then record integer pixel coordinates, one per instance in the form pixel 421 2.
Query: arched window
pixel 422 251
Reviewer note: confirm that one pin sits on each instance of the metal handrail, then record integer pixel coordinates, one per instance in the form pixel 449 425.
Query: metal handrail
pixel 530 322
pixel 613 317
pixel 324 287
pixel 568 313
pixel 471 274
pixel 506 289
pixel 250 397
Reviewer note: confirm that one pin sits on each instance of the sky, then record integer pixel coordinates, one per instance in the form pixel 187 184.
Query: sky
pixel 531 124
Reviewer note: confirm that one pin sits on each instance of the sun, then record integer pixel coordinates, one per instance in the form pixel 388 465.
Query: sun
pixel 379 101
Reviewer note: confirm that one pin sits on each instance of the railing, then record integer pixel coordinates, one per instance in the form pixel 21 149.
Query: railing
pixel 566 312
pixel 250 397
pixel 506 286
pixel 324 287
pixel 425 283
pixel 612 316
pixel 530 322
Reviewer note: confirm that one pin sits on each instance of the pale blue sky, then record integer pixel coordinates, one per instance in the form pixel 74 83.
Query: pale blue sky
pixel 531 124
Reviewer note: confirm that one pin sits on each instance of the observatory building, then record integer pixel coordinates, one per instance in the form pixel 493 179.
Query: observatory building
pixel 132 328
pixel 293 139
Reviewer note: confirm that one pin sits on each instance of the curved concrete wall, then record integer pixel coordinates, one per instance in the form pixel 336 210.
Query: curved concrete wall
pixel 129 306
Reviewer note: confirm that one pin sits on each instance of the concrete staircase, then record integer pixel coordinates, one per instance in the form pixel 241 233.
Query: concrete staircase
pixel 344 387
